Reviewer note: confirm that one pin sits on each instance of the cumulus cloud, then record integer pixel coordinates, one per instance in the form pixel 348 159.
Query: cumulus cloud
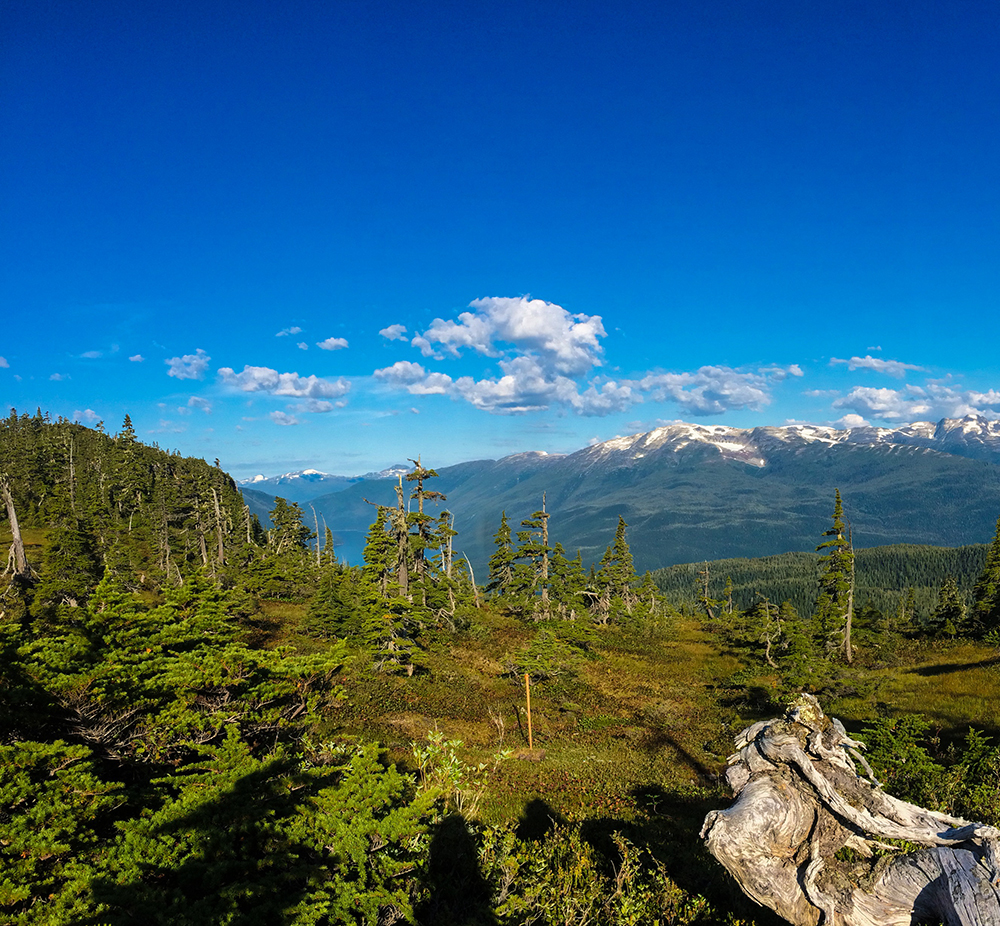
pixel 394 333
pixel 710 390
pixel 190 366
pixel 264 379
pixel 546 357
pixel 283 419
pixel 851 421
pixel 414 378
pixel 200 403
pixel 920 403
pixel 88 414
pixel 137 358
pixel 302 345
pixel 890 367
pixel 564 343
pixel 285 332
pixel 3 363
pixel 332 344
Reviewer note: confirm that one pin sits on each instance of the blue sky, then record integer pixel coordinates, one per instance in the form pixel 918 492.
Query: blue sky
pixel 337 235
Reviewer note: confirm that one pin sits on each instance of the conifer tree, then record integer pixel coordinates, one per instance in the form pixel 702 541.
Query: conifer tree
pixel 948 617
pixel 615 576
pixel 835 604
pixel 985 612
pixel 501 577
pixel 534 548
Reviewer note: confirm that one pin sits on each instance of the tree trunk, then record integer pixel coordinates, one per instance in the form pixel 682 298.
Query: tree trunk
pixel 800 799
pixel 220 552
pixel 17 562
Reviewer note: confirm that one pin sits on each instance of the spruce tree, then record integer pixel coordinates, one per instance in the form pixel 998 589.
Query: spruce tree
pixel 985 612
pixel 501 576
pixel 835 605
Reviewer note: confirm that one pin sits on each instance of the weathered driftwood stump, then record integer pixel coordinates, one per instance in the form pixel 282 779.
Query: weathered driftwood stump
pixel 800 800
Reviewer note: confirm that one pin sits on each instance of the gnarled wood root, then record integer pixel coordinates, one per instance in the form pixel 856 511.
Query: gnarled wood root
pixel 800 799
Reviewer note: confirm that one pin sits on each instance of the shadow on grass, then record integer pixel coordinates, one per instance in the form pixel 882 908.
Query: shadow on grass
pixel 948 668
pixel 459 894
pixel 668 827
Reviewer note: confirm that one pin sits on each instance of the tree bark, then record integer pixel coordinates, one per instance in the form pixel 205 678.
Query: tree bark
pixel 800 800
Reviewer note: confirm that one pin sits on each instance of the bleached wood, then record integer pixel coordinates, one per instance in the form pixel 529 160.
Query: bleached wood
pixel 800 799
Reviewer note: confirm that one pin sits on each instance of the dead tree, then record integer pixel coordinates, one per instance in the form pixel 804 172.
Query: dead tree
pixel 17 562
pixel 800 799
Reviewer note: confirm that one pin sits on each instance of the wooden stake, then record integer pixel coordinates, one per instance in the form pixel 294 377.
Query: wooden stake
pixel 527 692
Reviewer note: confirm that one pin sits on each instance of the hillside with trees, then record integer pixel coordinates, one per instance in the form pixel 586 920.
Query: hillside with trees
pixel 203 721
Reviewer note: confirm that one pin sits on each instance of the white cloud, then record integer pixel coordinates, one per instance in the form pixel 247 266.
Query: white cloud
pixel 564 343
pixel 264 379
pixel 317 406
pixel 890 367
pixel 394 333
pixel 283 419
pixel 4 364
pixel 415 379
pixel 200 403
pixel 710 390
pixel 190 366
pixel 58 377
pixel 302 345
pixel 88 414
pixel 851 421
pixel 285 332
pixel 779 373
pixel 332 344
pixel 401 373
pixel 920 403
pixel 137 358
pixel 92 354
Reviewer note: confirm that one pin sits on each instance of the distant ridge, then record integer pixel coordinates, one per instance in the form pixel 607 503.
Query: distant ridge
pixel 691 492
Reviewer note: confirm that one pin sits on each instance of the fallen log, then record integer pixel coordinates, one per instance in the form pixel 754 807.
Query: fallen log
pixel 802 803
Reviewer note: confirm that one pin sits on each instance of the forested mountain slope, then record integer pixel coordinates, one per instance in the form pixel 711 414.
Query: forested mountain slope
pixel 883 575
pixel 695 499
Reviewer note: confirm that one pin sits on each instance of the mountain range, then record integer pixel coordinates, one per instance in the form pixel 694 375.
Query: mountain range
pixel 694 492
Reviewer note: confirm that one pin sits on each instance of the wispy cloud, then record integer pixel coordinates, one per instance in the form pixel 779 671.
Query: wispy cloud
pixel 302 345
pixel 283 419
pixel 285 332
pixel 189 366
pixel 92 354
pixel 58 377
pixel 893 368
pixel 137 358
pixel 88 414
pixel 4 364
pixel 332 344
pixel 199 403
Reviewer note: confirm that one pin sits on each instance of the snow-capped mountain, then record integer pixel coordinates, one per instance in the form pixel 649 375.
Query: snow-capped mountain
pixel 299 486
pixel 694 492
pixel 972 436
pixel 307 484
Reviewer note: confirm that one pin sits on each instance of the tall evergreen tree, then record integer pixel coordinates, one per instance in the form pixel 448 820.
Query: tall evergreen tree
pixel 835 604
pixel 985 612
pixel 501 564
